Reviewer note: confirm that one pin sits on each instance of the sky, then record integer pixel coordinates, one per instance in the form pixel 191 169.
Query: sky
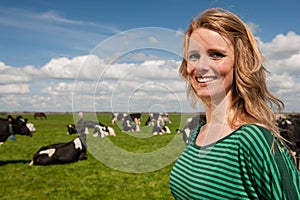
pixel 67 56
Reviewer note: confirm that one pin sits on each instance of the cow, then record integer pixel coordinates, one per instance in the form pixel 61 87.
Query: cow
pixel 103 131
pixel 118 117
pixel 290 130
pixel 136 117
pixel 160 126
pixel 31 127
pixel 131 124
pixel 71 129
pixel 153 117
pixel 12 126
pixel 60 153
pixel 41 115
pixel 192 124
pixel 100 130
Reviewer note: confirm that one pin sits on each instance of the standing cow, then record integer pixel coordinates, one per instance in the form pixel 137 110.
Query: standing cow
pixel 12 126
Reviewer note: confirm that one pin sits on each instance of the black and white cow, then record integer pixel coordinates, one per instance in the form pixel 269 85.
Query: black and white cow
pixel 60 153
pixel 31 127
pixel 71 129
pixel 131 123
pixel 290 130
pixel 100 130
pixel 160 126
pixel 153 117
pixel 103 131
pixel 192 124
pixel 118 117
pixel 12 126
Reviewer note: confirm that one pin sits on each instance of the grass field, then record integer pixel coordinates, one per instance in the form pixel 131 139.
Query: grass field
pixel 128 166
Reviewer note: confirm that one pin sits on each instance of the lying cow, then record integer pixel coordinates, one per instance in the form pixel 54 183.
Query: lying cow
pixel 131 124
pixel 12 126
pixel 121 117
pixel 31 127
pixel 160 126
pixel 60 153
pixel 103 131
pixel 100 130
pixel 153 117
pixel 72 129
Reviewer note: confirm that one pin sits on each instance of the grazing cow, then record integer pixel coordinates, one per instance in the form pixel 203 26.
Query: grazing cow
pixel 60 153
pixel 290 130
pixel 192 124
pixel 131 124
pixel 41 115
pixel 153 117
pixel 12 126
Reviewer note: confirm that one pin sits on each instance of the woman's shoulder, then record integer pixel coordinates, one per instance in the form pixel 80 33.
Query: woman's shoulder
pixel 255 136
pixel 254 131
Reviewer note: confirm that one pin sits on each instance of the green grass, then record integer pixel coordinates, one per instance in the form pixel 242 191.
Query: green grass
pixel 108 173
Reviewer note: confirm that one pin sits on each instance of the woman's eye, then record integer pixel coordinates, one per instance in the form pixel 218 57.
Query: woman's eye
pixel 194 56
pixel 216 55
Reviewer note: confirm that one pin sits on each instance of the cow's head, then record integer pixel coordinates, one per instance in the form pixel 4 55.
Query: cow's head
pixel 71 129
pixel 19 125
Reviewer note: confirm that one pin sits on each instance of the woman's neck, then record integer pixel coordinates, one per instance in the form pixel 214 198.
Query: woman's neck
pixel 217 109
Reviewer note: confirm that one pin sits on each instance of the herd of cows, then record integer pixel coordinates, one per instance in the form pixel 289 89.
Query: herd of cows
pixel 75 150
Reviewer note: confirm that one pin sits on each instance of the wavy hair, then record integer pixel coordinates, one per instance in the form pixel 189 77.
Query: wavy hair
pixel 252 102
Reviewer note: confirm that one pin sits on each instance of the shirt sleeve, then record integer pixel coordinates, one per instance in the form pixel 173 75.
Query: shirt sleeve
pixel 260 166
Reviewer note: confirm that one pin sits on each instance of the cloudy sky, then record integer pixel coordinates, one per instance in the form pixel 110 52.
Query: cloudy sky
pixel 124 55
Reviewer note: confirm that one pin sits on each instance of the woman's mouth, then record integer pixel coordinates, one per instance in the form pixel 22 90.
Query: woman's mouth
pixel 205 79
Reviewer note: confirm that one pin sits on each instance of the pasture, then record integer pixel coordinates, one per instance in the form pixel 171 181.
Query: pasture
pixel 106 174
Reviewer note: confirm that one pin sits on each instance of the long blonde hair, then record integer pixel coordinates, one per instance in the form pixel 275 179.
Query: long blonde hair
pixel 252 102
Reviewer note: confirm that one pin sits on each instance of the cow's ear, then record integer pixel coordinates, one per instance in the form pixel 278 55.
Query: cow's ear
pixel 26 120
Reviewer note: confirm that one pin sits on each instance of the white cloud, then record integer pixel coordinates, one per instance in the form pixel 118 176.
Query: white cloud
pixel 254 27
pixel 282 46
pixel 12 75
pixel 153 40
pixel 138 80
pixel 14 88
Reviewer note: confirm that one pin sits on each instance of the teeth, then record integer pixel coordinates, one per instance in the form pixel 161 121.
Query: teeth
pixel 205 79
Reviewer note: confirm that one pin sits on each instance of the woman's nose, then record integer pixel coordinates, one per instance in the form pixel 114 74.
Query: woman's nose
pixel 203 63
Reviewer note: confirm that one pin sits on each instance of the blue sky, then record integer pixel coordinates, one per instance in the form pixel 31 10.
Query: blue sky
pixel 43 44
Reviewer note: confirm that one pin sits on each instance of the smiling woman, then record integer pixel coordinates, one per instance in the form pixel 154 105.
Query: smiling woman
pixel 231 156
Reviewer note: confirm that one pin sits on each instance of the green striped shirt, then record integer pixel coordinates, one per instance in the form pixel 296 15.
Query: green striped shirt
pixel 239 166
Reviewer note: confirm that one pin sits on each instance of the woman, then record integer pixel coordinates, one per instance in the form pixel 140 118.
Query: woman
pixel 238 153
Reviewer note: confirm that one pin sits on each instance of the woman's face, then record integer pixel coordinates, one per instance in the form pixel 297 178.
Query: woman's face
pixel 210 63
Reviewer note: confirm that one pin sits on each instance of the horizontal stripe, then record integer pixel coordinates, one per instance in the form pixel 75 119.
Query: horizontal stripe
pixel 240 166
